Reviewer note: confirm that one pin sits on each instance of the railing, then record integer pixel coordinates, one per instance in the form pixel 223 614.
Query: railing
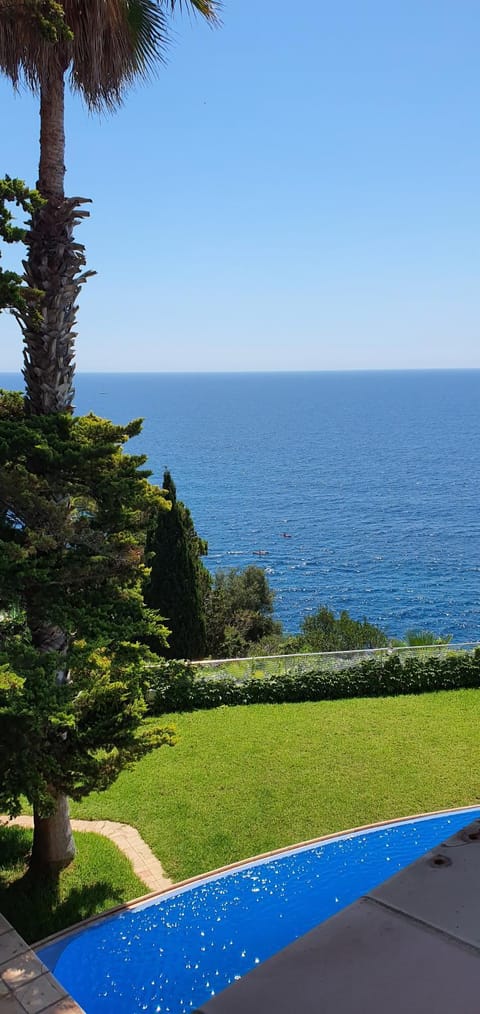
pixel 272 665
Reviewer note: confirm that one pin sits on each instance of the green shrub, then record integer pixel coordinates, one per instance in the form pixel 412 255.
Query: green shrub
pixel 170 687
pixel 175 686
pixel 323 631
pixel 417 637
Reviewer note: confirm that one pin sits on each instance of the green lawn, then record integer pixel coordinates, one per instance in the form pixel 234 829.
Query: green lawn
pixel 244 780
pixel 99 878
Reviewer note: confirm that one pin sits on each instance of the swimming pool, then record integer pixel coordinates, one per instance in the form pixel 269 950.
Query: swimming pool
pixel 171 953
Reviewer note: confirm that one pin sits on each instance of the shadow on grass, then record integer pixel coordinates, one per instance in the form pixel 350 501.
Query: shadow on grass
pixel 15 845
pixel 37 906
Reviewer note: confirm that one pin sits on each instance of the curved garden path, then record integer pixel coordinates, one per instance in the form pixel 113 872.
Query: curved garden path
pixel 126 838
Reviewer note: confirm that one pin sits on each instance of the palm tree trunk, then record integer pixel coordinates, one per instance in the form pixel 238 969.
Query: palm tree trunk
pixel 55 266
pixel 51 172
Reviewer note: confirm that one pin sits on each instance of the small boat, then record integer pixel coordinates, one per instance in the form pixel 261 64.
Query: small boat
pixel 260 552
pixel 285 535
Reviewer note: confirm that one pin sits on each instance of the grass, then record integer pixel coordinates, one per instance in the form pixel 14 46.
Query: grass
pixel 99 878
pixel 244 780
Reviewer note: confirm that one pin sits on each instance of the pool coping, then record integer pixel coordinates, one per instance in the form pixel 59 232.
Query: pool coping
pixel 126 906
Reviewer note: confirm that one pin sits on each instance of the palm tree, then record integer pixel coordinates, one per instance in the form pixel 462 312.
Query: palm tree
pixel 100 47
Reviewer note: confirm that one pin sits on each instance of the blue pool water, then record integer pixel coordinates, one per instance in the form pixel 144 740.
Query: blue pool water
pixel 171 954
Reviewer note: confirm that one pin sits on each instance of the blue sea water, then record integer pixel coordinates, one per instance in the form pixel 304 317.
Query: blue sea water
pixel 373 476
pixel 172 953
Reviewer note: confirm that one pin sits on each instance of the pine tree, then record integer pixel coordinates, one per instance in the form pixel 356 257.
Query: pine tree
pixel 178 579
pixel 74 510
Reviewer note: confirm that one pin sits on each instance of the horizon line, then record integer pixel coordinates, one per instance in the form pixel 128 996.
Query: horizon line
pixel 363 369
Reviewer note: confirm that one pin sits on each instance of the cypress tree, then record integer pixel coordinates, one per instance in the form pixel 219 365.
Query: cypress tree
pixel 178 579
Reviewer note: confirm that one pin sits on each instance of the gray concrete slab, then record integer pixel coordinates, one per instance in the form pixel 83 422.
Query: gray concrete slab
pixel 22 969
pixel 443 888
pixel 366 960
pixel 39 994
pixel 11 945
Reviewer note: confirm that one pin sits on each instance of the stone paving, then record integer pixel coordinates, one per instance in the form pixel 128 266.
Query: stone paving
pixel 26 985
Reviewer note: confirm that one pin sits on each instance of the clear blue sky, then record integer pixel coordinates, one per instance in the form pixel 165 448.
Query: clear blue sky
pixel 299 189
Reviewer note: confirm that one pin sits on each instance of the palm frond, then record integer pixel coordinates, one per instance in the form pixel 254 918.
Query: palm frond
pixel 112 42
pixel 210 9
pixel 25 50
pixel 115 41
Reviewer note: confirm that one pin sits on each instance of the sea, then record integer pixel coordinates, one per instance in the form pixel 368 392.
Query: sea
pixel 355 490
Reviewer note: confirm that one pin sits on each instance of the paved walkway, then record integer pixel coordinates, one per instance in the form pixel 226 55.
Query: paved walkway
pixel 126 838
pixel 26 985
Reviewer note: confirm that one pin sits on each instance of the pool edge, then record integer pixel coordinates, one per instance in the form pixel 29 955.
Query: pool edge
pixel 125 906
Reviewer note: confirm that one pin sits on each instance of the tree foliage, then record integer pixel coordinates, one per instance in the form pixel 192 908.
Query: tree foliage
pixel 323 631
pixel 15 294
pixel 73 515
pixel 239 611
pixel 178 579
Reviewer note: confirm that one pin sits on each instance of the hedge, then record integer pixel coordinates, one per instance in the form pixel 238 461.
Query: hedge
pixel 175 686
